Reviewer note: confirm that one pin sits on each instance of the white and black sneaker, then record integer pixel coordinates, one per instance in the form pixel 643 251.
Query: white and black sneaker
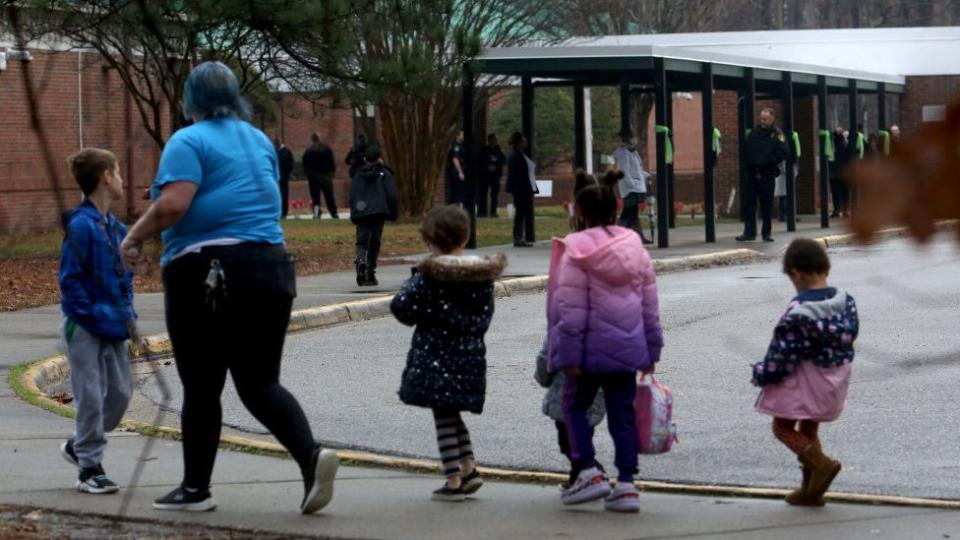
pixel 318 481
pixel 186 500
pixel 470 483
pixel 94 480
pixel 66 450
pixel 449 494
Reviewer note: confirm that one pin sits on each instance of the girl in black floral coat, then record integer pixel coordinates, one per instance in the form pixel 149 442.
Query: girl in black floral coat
pixel 449 298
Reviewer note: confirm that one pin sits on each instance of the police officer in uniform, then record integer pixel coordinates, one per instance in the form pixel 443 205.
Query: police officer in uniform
pixel 492 160
pixel 766 147
pixel 456 181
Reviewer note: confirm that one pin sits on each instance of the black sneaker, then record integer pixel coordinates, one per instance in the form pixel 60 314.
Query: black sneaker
pixel 768 239
pixel 449 494
pixel 361 274
pixel 66 450
pixel 184 500
pixel 372 279
pixel 94 480
pixel 318 481
pixel 470 483
pixel 745 238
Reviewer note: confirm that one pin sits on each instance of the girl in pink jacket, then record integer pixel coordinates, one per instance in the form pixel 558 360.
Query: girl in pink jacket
pixel 806 370
pixel 604 327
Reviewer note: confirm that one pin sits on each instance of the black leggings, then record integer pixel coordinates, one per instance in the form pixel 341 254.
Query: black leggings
pixel 242 334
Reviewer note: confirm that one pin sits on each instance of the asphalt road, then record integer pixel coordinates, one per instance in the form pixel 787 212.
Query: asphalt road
pixel 898 435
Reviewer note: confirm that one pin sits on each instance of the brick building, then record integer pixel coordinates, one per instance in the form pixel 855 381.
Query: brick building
pixel 82 103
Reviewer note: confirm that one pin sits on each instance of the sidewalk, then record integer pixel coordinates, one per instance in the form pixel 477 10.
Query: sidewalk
pixel 262 493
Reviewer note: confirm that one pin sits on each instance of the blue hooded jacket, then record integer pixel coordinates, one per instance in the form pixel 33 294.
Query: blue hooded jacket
pixel 96 287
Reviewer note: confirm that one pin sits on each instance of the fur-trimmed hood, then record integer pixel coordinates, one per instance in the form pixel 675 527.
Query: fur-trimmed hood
pixel 470 268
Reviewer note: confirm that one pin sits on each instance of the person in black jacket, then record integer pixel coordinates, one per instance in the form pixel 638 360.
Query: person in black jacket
pixel 491 164
pixel 454 173
pixel 373 201
pixel 449 298
pixel 838 186
pixel 356 154
pixel 766 147
pixel 285 164
pixel 518 184
pixel 319 166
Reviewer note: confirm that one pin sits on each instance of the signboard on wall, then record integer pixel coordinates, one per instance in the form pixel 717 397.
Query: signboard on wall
pixel 934 113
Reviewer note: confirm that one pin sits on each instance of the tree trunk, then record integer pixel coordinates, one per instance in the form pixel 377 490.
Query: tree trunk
pixel 411 143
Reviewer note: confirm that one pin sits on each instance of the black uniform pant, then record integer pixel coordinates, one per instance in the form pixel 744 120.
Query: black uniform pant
pixel 840 192
pixel 284 197
pixel 456 190
pixel 260 285
pixel 759 187
pixel 523 218
pixel 323 183
pixel 489 186
pixel 369 238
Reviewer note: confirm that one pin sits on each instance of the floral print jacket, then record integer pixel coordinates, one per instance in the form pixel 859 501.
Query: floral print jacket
pixel 819 326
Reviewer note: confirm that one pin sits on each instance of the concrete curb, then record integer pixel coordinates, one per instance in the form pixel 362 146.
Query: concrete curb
pixel 843 240
pixel 36 374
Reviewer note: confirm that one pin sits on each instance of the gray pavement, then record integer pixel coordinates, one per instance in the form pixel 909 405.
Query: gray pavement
pixel 262 493
pixel 897 436
pixel 31 333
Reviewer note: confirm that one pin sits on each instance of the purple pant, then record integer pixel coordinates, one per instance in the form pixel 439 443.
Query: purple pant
pixel 619 390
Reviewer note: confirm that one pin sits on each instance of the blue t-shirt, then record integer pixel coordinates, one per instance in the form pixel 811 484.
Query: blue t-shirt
pixel 235 168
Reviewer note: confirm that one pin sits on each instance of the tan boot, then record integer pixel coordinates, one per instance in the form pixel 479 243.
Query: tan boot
pixel 800 497
pixel 823 470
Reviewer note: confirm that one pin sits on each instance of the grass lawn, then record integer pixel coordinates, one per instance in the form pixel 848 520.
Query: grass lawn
pixel 29 263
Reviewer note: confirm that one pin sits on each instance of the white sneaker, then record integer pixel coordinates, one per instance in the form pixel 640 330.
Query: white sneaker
pixel 590 485
pixel 624 498
pixel 318 484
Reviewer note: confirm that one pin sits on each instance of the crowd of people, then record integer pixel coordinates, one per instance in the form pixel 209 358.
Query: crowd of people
pixel 226 271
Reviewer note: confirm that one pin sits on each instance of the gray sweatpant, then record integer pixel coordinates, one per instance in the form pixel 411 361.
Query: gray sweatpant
pixel 100 379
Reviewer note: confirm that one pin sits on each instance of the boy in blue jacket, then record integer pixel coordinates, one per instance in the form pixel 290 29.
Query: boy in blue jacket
pixel 97 305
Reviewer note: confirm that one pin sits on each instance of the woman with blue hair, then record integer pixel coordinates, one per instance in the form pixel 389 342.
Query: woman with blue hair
pixel 229 284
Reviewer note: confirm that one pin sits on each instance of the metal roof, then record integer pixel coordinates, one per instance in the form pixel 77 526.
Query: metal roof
pixel 875 54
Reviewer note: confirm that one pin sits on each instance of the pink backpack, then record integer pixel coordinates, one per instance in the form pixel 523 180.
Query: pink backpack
pixel 656 431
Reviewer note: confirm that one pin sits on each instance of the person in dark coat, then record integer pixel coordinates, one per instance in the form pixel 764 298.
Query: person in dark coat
pixel 319 166
pixel 454 174
pixel 449 299
pixel 373 201
pixel 492 161
pixel 766 147
pixel 838 186
pixel 518 184
pixel 285 164
pixel 356 154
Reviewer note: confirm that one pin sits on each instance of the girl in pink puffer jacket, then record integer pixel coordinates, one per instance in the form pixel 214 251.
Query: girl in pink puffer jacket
pixel 604 327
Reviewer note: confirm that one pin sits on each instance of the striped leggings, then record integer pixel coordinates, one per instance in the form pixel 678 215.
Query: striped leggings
pixel 453 439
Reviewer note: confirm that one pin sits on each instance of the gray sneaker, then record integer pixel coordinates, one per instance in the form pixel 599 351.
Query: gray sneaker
pixel 590 485
pixel 624 498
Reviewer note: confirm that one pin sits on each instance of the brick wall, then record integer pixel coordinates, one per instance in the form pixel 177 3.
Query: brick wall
pixel 76 96
pixel 925 91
